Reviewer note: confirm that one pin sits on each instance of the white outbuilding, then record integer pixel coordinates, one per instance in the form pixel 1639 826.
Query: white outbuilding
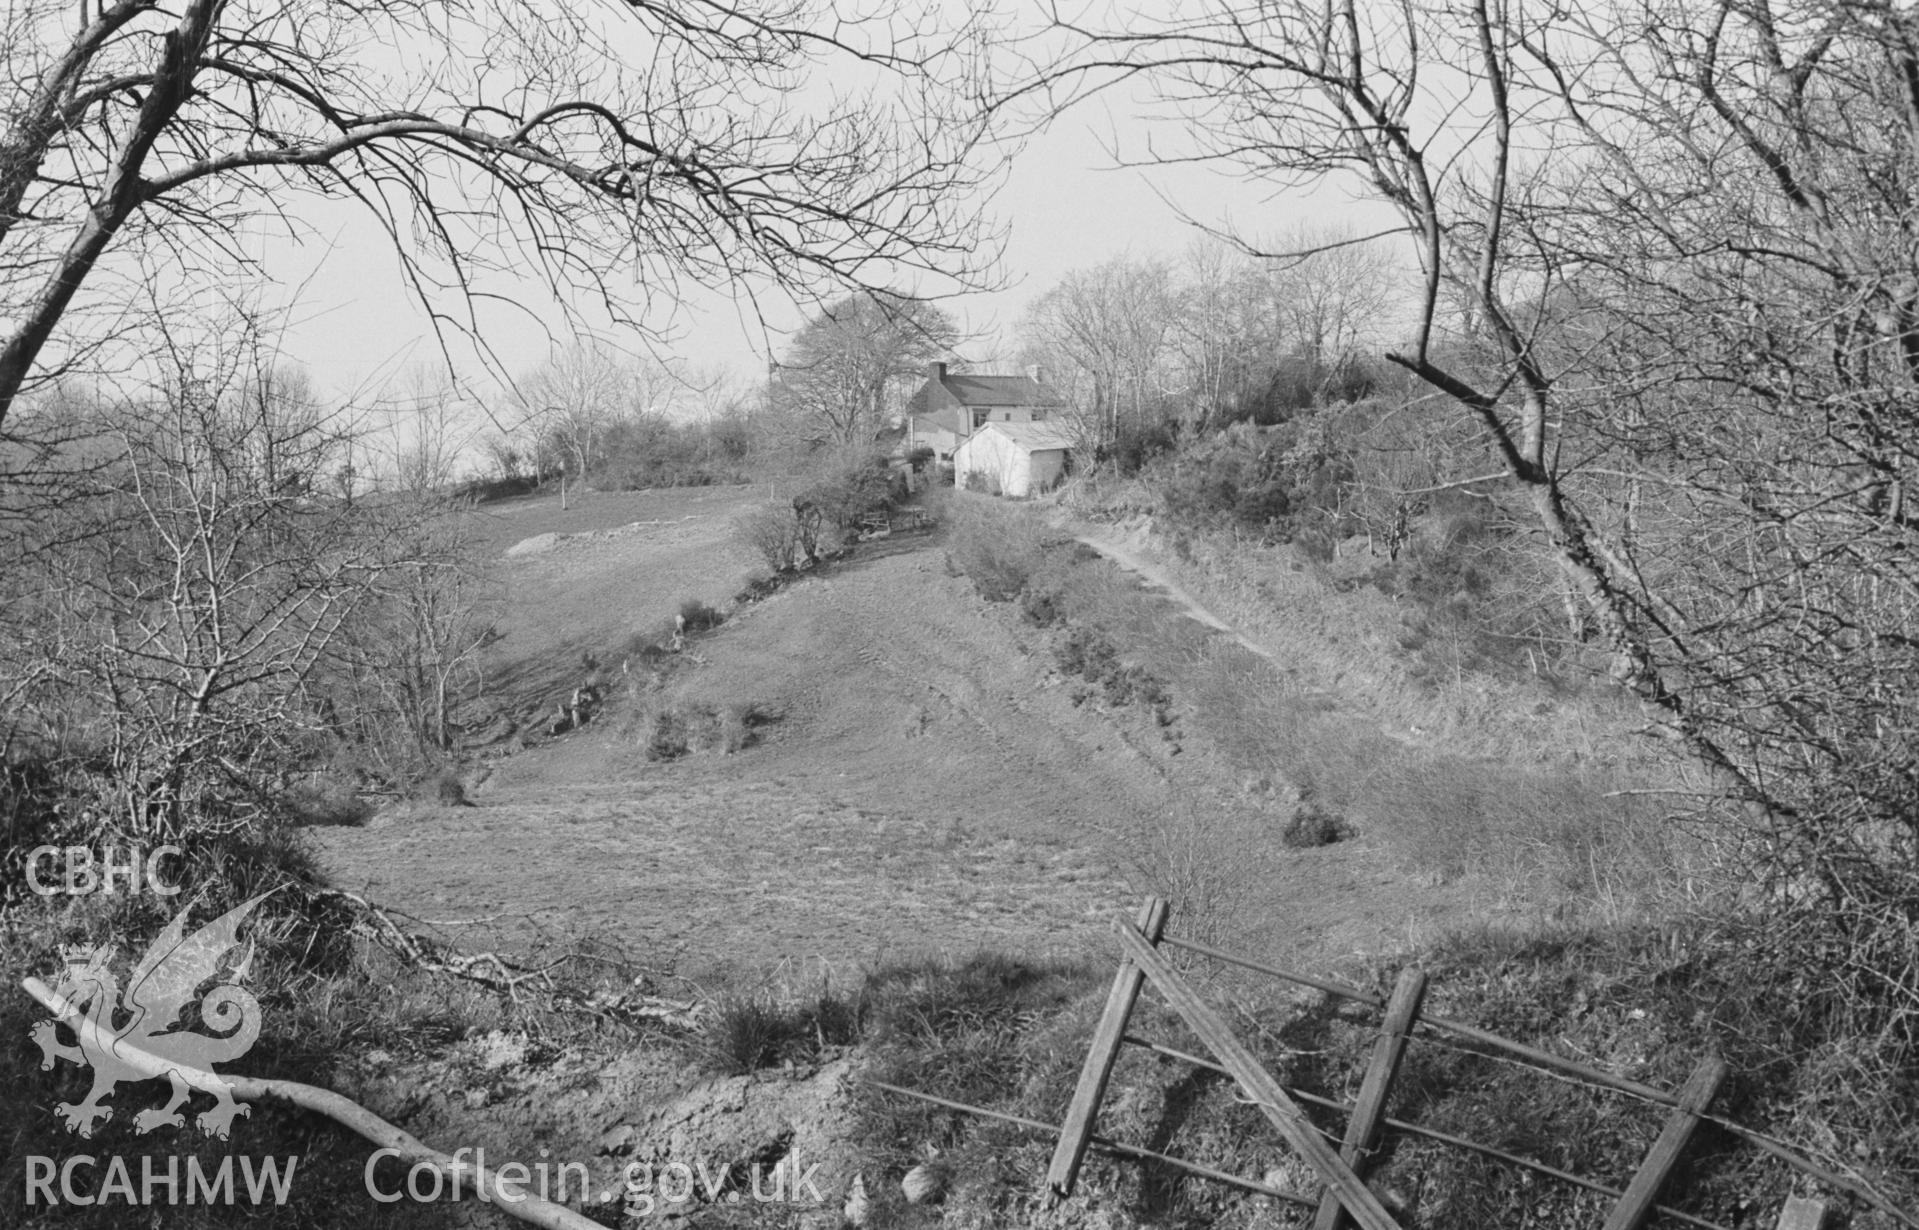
pixel 1015 459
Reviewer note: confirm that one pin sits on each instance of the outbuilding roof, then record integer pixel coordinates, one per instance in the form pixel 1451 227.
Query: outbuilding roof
pixel 1033 437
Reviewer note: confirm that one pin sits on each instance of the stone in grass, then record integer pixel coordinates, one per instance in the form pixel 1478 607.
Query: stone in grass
pixel 924 1184
pixel 857 1209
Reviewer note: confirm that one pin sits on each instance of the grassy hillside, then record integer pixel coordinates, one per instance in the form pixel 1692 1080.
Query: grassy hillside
pixel 953 758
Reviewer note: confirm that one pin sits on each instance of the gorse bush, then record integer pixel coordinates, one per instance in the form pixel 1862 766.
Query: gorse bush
pixel 1312 825
pixel 1273 481
pixel 1089 653
pixel 1571 837
pixel 998 549
pixel 697 616
pixel 1040 607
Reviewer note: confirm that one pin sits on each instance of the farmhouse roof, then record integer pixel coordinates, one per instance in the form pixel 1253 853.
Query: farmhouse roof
pixel 945 389
pixel 1000 391
pixel 1032 437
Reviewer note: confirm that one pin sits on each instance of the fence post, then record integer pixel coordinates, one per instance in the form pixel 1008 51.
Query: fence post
pixel 1077 1132
pixel 1363 1128
pixel 1694 1096
pixel 1271 1098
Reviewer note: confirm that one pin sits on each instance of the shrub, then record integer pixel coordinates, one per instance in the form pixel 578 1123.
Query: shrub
pixel 1479 595
pixel 697 616
pixel 667 731
pixel 849 492
pixel 773 532
pixel 1091 654
pixel 644 649
pixel 739 726
pixel 1136 444
pixel 1086 652
pixel 327 800
pixel 648 451
pixel 808 520
pixel 671 730
pixel 1151 693
pixel 448 790
pixel 758 588
pixel 1276 481
pixel 489 490
pixel 1040 607
pixel 1212 862
pixel 1312 825
pixel 998 548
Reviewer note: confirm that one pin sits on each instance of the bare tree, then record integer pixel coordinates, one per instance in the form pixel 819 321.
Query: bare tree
pixel 504 130
pixel 431 428
pixel 411 655
pixel 1209 334
pixel 1105 331
pixel 1260 335
pixel 567 406
pixel 195 588
pixel 1332 299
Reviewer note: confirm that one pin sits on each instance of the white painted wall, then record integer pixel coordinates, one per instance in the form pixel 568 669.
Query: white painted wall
pixel 1016 471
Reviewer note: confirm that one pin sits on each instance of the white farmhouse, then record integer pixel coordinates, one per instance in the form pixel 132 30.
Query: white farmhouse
pixel 1016 459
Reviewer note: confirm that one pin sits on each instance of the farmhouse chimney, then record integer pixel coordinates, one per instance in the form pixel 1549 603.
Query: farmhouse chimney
pixel 1038 373
pixel 936 372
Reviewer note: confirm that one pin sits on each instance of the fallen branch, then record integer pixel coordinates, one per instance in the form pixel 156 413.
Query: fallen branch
pixel 490 969
pixel 512 1198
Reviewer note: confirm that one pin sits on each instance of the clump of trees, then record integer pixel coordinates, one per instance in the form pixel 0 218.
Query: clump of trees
pixel 595 415
pixel 1146 351
pixel 202 616
pixel 824 513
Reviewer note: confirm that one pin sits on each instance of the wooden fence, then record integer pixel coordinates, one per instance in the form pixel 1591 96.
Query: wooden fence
pixel 1346 1200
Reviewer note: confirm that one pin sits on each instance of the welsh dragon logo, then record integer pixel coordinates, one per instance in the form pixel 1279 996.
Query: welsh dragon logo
pixel 151 1041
